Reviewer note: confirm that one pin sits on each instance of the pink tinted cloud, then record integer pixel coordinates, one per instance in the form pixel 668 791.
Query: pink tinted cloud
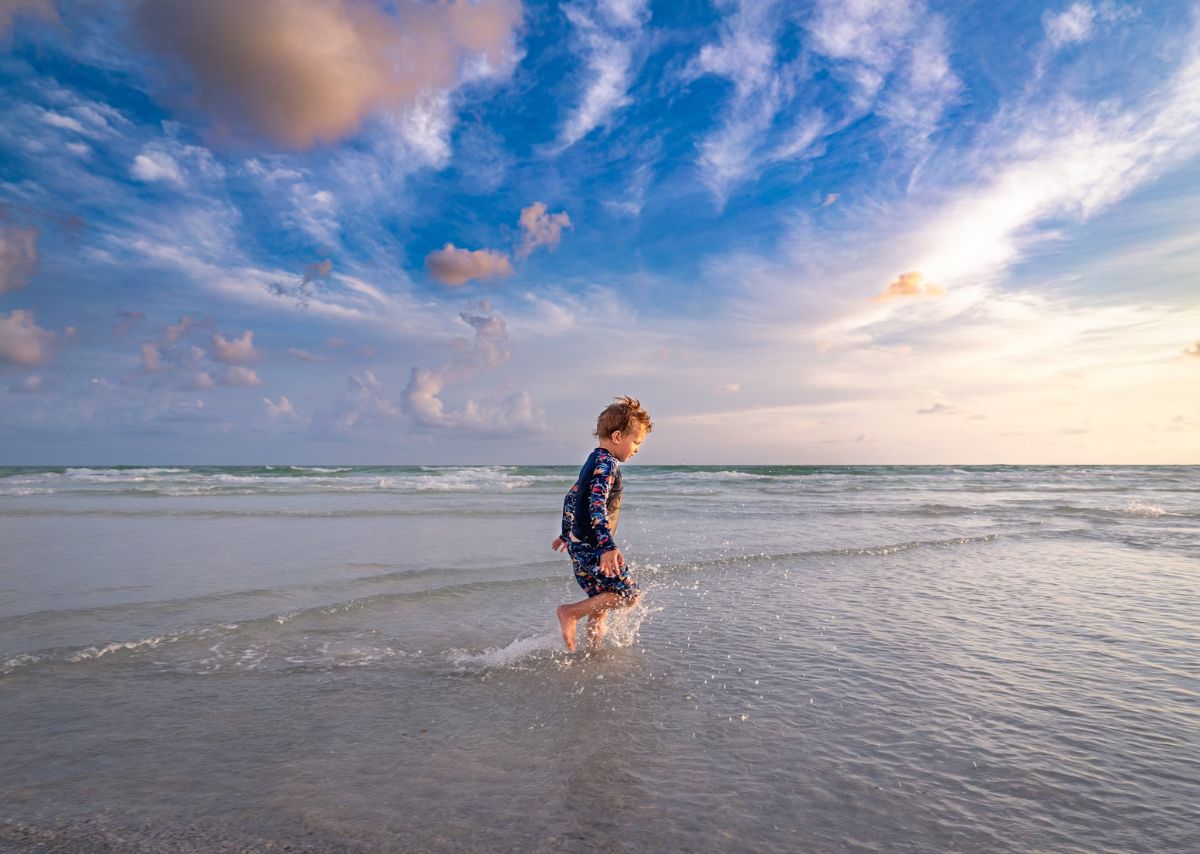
pixel 454 266
pixel 910 285
pixel 541 228
pixel 23 342
pixel 301 72
pixel 240 377
pixel 235 351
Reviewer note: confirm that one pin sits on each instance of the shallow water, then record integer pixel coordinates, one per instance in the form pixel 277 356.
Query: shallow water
pixel 837 659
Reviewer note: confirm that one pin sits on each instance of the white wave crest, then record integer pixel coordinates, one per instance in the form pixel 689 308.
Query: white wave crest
pixel 495 658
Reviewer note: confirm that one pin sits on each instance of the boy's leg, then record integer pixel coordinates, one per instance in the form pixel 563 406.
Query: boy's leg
pixel 596 629
pixel 569 615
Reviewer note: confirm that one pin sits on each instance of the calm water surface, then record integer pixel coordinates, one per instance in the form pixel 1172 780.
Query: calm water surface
pixel 826 659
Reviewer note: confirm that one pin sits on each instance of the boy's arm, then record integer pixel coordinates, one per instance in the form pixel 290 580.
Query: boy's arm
pixel 568 519
pixel 599 486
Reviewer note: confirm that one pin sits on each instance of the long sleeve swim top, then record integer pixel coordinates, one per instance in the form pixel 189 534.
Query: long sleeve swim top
pixel 592 507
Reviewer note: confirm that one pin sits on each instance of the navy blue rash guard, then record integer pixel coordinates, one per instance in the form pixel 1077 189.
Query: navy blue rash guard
pixel 592 507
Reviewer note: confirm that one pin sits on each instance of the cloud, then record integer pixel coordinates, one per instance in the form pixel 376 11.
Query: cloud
pixel 171 334
pixel 301 72
pixel 18 256
pixel 910 285
pixel 1073 24
pixel 500 413
pixel 365 402
pixel 939 408
pixel 540 228
pixel 728 388
pixel 31 384
pixel 455 266
pixel 893 53
pixel 746 55
pixel 128 320
pixel 830 199
pixel 284 411
pixel 23 342
pixel 240 377
pixel 9 9
pixel 235 351
pixel 304 289
pixel 307 356
pixel 606 37
pixel 152 358
pixel 1194 350
pixel 154 165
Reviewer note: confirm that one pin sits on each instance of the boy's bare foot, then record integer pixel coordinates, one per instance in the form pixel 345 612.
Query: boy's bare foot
pixel 567 623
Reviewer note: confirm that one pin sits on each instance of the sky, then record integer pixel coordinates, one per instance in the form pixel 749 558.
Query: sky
pixel 418 232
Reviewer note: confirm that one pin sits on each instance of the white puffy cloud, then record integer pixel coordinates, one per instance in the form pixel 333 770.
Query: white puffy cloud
pixel 154 165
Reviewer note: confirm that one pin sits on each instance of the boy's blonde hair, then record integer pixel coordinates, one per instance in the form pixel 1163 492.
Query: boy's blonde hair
pixel 621 415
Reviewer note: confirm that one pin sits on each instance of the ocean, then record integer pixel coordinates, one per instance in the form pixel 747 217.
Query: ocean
pixel 365 659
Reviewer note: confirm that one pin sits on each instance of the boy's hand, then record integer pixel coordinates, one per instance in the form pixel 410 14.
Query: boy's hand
pixel 559 544
pixel 612 562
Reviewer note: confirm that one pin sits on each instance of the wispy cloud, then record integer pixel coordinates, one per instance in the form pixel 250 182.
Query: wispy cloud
pixel 307 71
pixel 607 35
pixel 746 54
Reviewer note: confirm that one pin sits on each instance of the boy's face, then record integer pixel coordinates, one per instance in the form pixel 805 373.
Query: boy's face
pixel 625 445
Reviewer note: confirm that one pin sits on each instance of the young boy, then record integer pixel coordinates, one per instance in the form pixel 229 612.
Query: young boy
pixel 589 520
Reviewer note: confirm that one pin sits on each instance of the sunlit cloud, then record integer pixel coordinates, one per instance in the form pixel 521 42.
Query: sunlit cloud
pixel 454 266
pixel 152 358
pixel 1194 350
pixel 235 351
pixel 173 332
pixel 23 342
pixel 540 228
pixel 305 71
pixel 240 377
pixel 910 285
pixel 728 388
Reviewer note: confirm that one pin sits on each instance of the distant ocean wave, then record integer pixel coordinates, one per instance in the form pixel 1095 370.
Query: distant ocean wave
pixel 202 481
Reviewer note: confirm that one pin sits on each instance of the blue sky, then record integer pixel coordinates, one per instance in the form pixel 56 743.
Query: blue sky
pixel 304 231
